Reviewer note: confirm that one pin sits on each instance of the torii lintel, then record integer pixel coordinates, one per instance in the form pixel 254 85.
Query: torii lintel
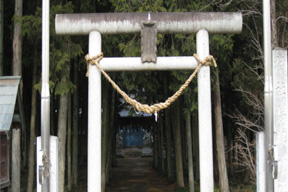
pixel 179 22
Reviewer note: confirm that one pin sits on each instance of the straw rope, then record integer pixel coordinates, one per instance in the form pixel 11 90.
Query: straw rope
pixel 208 61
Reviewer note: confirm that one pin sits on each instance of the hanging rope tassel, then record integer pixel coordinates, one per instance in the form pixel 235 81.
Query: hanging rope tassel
pixel 208 61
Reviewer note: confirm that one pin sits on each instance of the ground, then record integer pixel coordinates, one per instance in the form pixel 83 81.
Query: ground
pixel 137 174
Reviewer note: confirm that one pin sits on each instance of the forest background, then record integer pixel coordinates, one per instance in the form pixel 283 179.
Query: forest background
pixel 240 69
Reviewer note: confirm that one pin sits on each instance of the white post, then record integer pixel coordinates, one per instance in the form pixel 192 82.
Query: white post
pixel 45 94
pixel 260 161
pixel 280 115
pixel 53 171
pixel 268 116
pixel 205 119
pixel 94 117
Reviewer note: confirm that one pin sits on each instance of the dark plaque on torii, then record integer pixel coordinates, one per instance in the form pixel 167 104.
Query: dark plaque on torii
pixel 148 42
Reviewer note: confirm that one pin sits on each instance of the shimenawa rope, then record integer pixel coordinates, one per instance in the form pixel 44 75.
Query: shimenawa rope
pixel 158 106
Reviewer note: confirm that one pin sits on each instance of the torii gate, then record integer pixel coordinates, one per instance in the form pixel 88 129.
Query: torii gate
pixel 96 24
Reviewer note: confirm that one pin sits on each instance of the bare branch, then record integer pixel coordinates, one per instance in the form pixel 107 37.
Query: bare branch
pixel 245 153
pixel 282 18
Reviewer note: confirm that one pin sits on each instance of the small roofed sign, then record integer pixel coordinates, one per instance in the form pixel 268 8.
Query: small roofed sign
pixel 8 94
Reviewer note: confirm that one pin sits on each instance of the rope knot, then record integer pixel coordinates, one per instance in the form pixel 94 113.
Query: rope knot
pixel 93 61
pixel 208 61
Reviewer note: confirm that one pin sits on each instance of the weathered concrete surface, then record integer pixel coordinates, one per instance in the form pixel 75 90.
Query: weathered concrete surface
pixel 280 114
pixel 115 23
pixel 137 174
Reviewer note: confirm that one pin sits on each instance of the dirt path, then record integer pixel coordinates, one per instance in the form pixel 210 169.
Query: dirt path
pixel 137 175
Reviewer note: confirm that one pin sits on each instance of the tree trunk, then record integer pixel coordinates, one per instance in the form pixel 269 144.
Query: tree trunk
pixel 230 153
pixel 17 41
pixel 183 139
pixel 75 129
pixel 190 154
pixel 1 37
pixel 177 145
pixel 168 136
pixel 162 145
pixel 69 184
pixel 215 155
pixel 196 145
pixel 31 171
pixel 114 127
pixel 159 145
pixel 16 158
pixel 223 178
pixel 62 127
pixel 111 132
pixel 105 132
pixel 155 146
pixel 17 71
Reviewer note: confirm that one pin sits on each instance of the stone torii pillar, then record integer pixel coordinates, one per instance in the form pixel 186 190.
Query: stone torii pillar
pixel 96 24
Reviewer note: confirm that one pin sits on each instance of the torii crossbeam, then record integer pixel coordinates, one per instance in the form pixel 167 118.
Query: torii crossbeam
pixel 96 24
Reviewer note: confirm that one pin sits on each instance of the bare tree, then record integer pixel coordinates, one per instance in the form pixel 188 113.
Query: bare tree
pixel 245 158
pixel 252 122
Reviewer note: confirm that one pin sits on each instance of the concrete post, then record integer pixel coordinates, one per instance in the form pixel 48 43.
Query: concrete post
pixel 205 118
pixel 53 171
pixel 280 116
pixel 94 116
pixel 260 161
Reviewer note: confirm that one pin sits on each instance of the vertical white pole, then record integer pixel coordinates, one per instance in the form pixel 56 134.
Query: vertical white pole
pixel 94 117
pixel 45 94
pixel 268 107
pixel 260 161
pixel 205 119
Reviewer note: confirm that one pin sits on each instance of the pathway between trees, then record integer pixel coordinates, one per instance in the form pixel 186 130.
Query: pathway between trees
pixel 137 175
